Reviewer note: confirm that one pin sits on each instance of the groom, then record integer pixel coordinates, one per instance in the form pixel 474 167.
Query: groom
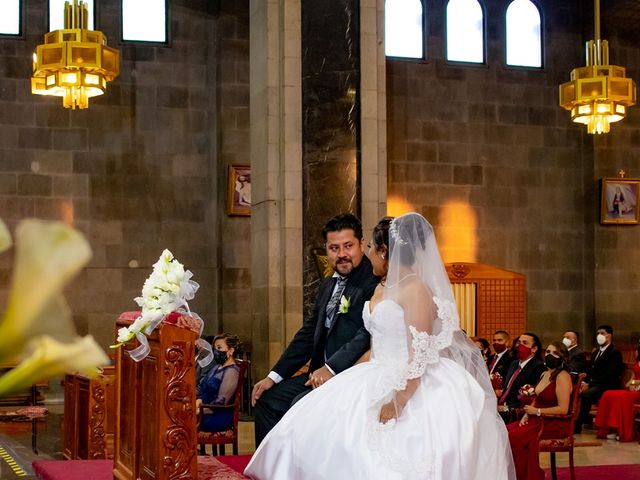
pixel 332 338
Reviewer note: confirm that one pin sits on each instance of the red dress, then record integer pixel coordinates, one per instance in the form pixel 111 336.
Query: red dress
pixel 524 438
pixel 615 411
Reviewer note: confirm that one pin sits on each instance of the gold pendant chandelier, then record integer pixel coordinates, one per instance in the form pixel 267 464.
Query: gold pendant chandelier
pixel 74 63
pixel 598 94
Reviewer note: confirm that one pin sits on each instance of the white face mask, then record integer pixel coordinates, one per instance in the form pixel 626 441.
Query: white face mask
pixel 601 339
pixel 567 342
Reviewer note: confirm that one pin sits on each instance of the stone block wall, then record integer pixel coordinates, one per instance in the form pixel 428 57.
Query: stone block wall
pixel 232 137
pixel 616 252
pixel 486 153
pixel 144 168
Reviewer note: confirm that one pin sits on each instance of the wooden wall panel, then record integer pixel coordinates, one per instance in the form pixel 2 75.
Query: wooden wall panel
pixel 501 297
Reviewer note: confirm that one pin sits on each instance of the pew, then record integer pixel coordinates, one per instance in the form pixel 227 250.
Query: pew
pixel 89 415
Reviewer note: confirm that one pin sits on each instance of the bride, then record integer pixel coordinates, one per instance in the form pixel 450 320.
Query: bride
pixel 422 407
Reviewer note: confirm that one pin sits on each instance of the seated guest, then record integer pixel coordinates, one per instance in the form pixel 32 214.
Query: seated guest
pixel 604 373
pixel 526 369
pixel 500 361
pixel 552 396
pixel 615 418
pixel 219 384
pixel 483 345
pixel 577 357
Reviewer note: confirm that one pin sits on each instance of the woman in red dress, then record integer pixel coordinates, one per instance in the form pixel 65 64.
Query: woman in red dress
pixel 615 417
pixel 553 393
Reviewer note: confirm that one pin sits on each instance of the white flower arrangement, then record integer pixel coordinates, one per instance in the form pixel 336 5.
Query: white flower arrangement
pixel 167 289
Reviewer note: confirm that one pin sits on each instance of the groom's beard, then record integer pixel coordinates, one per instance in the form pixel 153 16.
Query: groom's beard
pixel 344 266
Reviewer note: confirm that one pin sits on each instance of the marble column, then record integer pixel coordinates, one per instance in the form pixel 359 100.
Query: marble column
pixel 344 119
pixel 331 121
pixel 311 156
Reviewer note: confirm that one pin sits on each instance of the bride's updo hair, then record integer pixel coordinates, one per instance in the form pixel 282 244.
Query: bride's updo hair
pixel 381 233
pixel 404 228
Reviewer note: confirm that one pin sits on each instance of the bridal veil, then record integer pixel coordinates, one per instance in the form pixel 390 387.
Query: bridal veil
pixel 418 281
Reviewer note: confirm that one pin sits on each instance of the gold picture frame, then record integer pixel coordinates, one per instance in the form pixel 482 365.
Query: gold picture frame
pixel 239 190
pixel 619 201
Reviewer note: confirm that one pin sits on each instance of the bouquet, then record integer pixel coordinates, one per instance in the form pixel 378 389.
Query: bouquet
pixel 496 380
pixel 526 394
pixel 164 297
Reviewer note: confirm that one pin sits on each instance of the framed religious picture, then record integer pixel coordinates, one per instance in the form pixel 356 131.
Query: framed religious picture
pixel 619 201
pixel 239 190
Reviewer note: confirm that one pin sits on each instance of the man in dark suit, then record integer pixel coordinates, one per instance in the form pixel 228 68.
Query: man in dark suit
pixel 605 373
pixel 332 338
pixel 500 361
pixel 578 359
pixel 526 369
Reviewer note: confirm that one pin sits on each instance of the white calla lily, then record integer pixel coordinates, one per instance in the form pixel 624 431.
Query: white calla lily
pixel 49 358
pixel 48 255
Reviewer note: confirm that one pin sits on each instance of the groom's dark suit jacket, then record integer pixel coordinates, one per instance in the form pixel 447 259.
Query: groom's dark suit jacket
pixel 345 341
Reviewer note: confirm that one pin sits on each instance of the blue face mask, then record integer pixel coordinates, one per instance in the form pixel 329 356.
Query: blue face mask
pixel 219 356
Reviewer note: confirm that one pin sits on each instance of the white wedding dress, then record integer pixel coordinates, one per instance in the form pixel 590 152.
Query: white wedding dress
pixel 447 430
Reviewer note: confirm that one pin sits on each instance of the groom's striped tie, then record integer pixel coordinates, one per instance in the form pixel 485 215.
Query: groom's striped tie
pixel 332 306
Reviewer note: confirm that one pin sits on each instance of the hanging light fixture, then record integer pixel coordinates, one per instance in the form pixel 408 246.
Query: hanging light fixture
pixel 74 63
pixel 598 94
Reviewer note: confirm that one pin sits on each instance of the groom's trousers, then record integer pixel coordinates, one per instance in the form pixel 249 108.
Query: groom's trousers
pixel 275 402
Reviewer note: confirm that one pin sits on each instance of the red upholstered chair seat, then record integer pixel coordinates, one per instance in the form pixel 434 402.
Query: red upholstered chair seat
pixel 554 443
pixel 212 437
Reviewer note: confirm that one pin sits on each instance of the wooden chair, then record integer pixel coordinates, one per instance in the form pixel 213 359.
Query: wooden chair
pixel 564 443
pixel 230 435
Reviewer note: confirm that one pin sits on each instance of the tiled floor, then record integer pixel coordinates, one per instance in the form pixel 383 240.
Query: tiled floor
pixel 15 439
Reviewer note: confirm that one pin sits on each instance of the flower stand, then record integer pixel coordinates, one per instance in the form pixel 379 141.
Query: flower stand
pixel 156 415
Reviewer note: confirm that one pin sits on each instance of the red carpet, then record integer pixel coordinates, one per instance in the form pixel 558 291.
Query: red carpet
pixel 209 468
pixel 602 472
pixel 73 469
pixel 229 468
pixel 236 462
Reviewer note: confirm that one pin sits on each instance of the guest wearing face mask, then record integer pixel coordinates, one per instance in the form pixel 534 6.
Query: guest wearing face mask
pixel 219 384
pixel 526 369
pixel 500 361
pixel 577 357
pixel 604 373
pixel 552 395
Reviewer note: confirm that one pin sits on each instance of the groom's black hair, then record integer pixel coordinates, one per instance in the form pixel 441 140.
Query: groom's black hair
pixel 343 221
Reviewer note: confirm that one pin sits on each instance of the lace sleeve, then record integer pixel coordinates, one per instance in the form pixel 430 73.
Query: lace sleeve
pixel 425 348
